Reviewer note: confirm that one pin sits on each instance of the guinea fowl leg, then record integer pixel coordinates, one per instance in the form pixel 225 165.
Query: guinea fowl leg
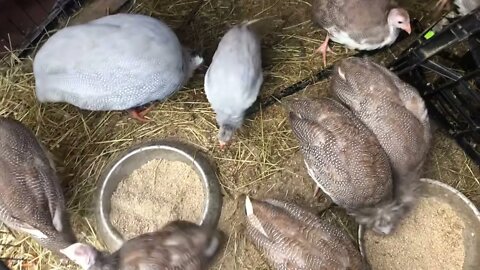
pixel 323 49
pixel 140 114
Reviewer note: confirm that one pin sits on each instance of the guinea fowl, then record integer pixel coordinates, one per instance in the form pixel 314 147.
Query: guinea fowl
pixel 394 112
pixel 345 160
pixel 360 24
pixel 293 238
pixel 178 245
pixel 117 62
pixel 31 199
pixel 234 78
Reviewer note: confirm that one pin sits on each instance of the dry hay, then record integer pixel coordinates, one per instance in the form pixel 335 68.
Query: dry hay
pixel 263 161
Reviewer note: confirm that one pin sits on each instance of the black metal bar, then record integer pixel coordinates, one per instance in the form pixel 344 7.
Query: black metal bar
pixel 424 48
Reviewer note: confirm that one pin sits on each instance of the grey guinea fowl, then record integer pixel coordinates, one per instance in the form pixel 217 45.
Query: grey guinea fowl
pixel 345 160
pixel 360 24
pixel 178 245
pixel 117 62
pixel 394 111
pixel 31 199
pixel 234 78
pixel 295 239
pixel 464 6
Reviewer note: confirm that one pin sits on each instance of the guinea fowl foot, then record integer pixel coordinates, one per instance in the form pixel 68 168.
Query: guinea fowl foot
pixel 324 48
pixel 222 146
pixel 140 114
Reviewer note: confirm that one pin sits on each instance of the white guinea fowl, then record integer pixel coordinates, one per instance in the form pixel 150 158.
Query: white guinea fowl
pixel 178 245
pixel 31 198
pixel 360 24
pixel 345 160
pixel 234 78
pixel 295 239
pixel 117 62
pixel 395 112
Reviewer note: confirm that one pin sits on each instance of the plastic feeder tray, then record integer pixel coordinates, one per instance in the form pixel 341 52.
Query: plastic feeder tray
pixel 450 86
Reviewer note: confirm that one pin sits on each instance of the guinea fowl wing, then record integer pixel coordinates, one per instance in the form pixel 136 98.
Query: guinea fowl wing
pixel 32 197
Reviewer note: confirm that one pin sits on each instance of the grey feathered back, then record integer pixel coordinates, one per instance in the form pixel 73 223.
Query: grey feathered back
pixel 362 20
pixel 178 245
pixel 31 199
pixel 342 155
pixel 293 238
pixel 393 110
pixel 235 76
pixel 116 62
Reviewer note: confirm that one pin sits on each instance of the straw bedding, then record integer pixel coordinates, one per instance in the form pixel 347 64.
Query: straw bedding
pixel 264 158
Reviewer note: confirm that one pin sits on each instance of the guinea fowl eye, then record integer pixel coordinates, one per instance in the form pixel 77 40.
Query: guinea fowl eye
pixel 400 22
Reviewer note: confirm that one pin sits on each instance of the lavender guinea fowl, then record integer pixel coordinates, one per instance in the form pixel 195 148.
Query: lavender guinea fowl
pixel 360 24
pixel 394 112
pixel 178 245
pixel 31 199
pixel 345 160
pixel 234 78
pixel 293 238
pixel 117 62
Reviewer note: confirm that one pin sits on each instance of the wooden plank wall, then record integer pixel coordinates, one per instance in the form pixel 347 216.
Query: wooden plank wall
pixel 18 18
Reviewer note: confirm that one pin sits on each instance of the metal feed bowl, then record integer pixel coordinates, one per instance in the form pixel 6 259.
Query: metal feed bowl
pixel 463 207
pixel 137 156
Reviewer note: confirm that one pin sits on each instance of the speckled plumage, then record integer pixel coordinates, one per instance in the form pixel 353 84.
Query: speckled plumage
pixel 31 199
pixel 295 239
pixel 342 155
pixel 178 245
pixel 234 78
pixel 358 24
pixel 393 110
pixel 116 62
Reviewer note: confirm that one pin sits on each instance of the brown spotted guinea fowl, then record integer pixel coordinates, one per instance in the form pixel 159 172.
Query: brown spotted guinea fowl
pixel 295 239
pixel 345 160
pixel 178 245
pixel 31 199
pixel 395 112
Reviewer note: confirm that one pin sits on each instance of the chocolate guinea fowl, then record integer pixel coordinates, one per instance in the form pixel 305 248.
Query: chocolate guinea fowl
pixel 118 62
pixel 293 238
pixel 360 24
pixel 31 199
pixel 178 245
pixel 394 111
pixel 234 78
pixel 345 160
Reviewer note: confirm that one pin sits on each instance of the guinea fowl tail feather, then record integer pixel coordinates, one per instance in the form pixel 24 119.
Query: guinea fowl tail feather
pixel 385 217
pixel 260 26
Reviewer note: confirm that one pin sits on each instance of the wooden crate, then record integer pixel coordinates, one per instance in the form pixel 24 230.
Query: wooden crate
pixel 21 21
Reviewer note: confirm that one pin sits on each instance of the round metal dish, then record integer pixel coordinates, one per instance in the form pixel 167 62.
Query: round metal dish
pixel 463 207
pixel 134 158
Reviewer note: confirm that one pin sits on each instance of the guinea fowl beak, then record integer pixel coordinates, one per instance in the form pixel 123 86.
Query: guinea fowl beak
pixel 408 28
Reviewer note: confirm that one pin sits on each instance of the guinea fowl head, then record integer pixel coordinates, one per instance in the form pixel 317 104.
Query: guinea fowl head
pixel 82 254
pixel 399 18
